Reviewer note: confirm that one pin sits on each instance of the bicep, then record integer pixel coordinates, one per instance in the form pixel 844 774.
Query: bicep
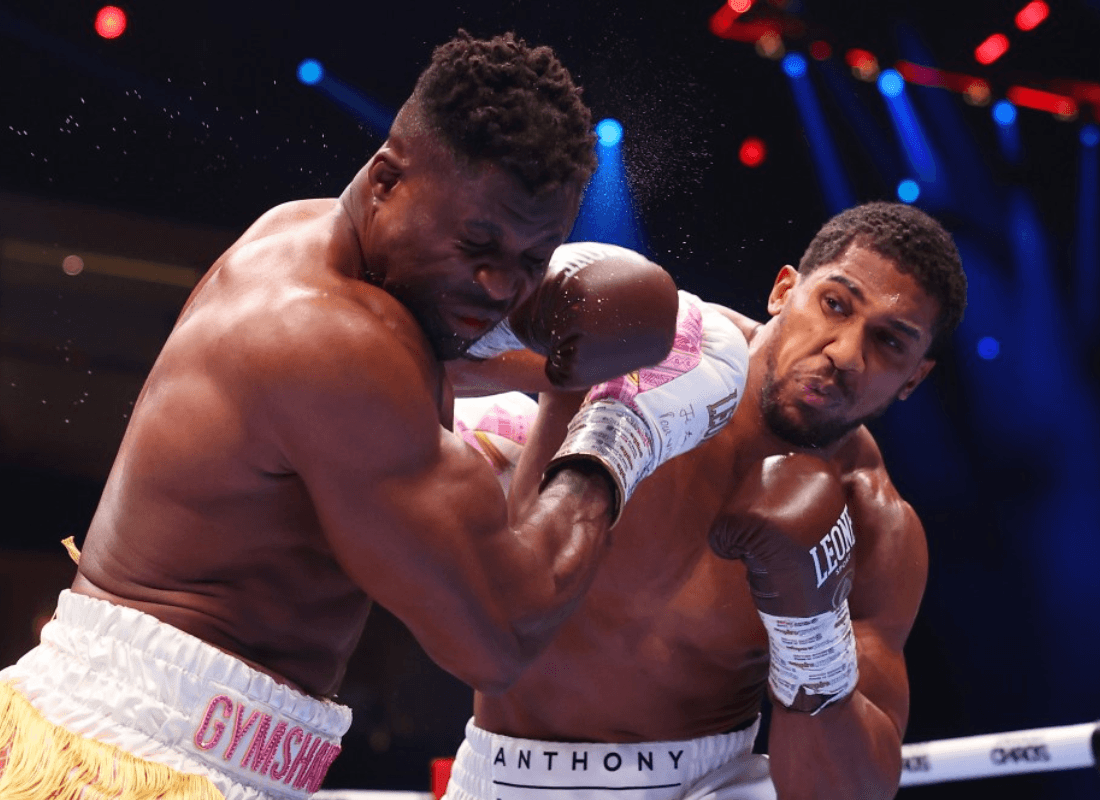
pixel 413 515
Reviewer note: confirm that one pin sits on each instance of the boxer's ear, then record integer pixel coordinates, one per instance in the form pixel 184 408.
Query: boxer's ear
pixel 785 282
pixel 385 171
pixel 915 379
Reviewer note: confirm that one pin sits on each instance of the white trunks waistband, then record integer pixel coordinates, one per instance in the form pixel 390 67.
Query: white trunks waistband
pixel 493 766
pixel 118 675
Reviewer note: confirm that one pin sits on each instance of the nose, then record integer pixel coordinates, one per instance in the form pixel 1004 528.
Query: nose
pixel 845 349
pixel 502 281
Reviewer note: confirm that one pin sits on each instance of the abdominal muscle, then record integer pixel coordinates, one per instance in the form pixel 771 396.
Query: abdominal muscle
pixel 638 663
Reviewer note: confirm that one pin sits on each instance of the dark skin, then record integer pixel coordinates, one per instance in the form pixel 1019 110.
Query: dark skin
pixel 667 644
pixel 290 461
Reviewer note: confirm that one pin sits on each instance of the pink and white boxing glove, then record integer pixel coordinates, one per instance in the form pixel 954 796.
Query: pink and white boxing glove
pixel 635 423
pixel 497 426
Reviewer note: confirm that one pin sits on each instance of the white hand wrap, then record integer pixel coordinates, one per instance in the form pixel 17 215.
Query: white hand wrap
pixel 815 654
pixel 635 423
pixel 567 259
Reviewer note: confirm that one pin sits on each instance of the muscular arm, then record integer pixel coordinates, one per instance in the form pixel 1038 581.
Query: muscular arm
pixel 853 748
pixel 416 518
pixel 516 370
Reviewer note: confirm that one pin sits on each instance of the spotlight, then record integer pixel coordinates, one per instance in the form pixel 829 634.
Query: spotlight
pixel 908 191
pixel 1090 136
pixel 988 348
pixel 1004 113
pixel 794 65
pixel 752 152
pixel 1031 15
pixel 310 72
pixel 991 49
pixel 609 131
pixel 890 83
pixel 110 22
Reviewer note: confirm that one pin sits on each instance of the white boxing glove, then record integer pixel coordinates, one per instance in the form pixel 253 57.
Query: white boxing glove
pixel 497 427
pixel 635 423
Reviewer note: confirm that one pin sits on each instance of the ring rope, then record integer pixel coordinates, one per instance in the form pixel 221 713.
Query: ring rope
pixel 992 754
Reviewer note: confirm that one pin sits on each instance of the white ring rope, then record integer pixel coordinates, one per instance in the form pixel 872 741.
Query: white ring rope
pixel 993 754
pixel 985 756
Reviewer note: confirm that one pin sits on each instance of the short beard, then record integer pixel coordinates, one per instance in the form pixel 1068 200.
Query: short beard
pixel 815 436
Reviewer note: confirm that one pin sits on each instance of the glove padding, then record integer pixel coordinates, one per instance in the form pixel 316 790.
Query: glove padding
pixel 497 427
pixel 600 312
pixel 789 523
pixel 636 422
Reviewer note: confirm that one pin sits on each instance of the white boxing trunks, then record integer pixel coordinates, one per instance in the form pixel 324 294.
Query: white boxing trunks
pixel 493 767
pixel 123 678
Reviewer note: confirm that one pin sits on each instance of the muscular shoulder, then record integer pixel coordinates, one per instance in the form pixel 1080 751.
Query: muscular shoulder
pixel 869 485
pixel 891 551
pixel 348 343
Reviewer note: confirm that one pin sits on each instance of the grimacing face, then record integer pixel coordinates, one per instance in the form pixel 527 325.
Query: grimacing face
pixel 851 337
pixel 462 246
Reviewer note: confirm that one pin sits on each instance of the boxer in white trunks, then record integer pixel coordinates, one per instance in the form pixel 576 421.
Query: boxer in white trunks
pixel 290 459
pixel 776 561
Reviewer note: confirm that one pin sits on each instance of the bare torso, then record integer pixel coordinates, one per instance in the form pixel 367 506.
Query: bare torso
pixel 667 643
pixel 204 523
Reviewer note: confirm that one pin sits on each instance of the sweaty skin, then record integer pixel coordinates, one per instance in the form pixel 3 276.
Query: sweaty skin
pixel 289 459
pixel 667 643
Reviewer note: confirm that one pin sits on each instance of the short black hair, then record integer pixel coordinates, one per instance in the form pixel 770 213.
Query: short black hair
pixel 502 100
pixel 918 244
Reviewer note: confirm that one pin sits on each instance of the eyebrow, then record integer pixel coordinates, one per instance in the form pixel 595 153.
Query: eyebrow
pixel 480 226
pixel 903 328
pixel 496 232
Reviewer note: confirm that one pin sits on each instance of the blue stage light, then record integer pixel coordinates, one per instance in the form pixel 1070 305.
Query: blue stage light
pixel 988 348
pixel 794 65
pixel 1090 135
pixel 890 83
pixel 908 191
pixel 609 131
pixel 310 72
pixel 1004 113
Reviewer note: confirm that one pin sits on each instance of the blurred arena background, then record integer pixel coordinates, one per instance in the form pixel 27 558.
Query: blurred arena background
pixel 134 148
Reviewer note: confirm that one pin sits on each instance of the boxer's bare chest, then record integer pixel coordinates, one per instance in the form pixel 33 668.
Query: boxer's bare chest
pixel 667 643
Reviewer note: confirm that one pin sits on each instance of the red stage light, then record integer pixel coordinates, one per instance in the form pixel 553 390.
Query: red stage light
pixel 110 22
pixel 820 50
pixel 1042 101
pixel 739 6
pixel 1031 15
pixel 753 152
pixel 859 59
pixel 722 19
pixel 991 49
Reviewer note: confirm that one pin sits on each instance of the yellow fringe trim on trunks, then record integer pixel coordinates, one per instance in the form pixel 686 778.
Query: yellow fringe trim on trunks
pixel 47 762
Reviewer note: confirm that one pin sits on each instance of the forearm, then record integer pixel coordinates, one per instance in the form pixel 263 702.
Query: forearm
pixel 565 533
pixel 851 749
pixel 515 370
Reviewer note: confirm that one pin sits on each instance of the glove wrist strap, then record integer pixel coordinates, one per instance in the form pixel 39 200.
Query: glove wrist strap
pixel 610 433
pixel 816 655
